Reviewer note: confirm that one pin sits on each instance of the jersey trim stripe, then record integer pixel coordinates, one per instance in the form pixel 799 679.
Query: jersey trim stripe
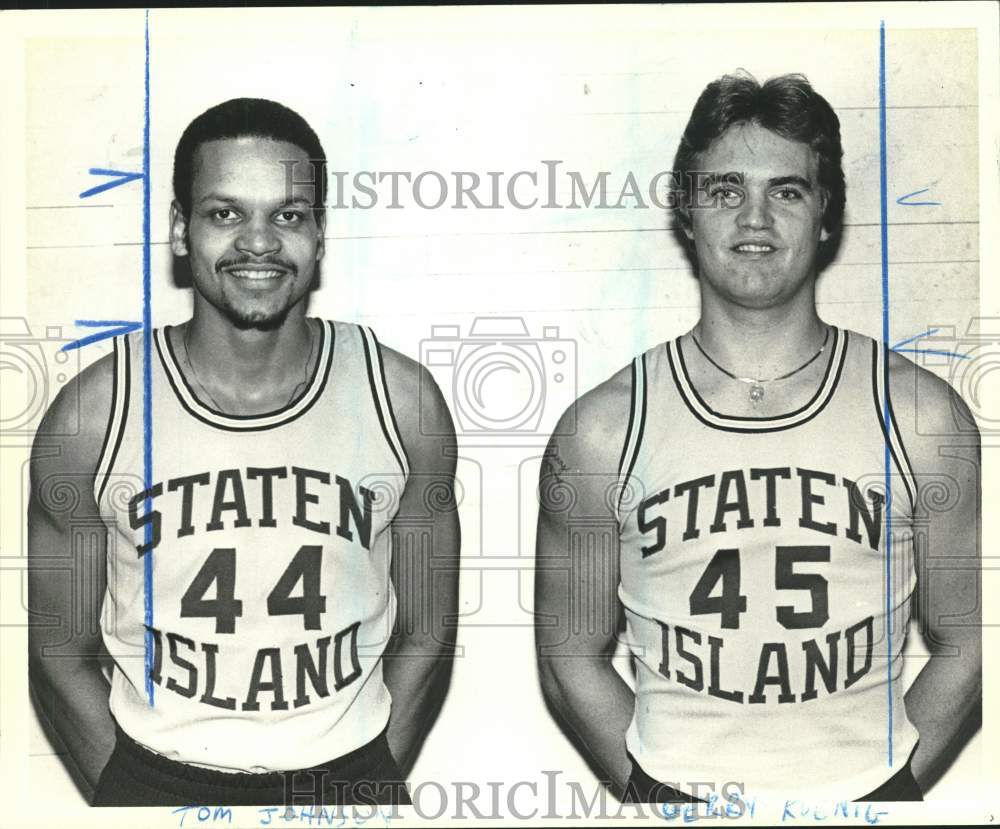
pixel 633 434
pixel 631 418
pixel 388 403
pixel 733 423
pixel 880 384
pixel 248 423
pixel 380 394
pixel 120 391
pixel 100 472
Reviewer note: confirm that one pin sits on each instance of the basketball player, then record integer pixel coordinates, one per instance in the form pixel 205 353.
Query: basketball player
pixel 765 575
pixel 272 514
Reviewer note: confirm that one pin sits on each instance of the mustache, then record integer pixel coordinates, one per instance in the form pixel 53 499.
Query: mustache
pixel 277 264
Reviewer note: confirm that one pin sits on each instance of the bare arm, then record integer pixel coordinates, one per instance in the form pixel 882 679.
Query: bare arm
pixel 66 576
pixel 426 550
pixel 945 453
pixel 576 579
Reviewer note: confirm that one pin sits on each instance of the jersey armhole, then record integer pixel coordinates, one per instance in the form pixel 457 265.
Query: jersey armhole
pixel 633 434
pixel 121 383
pixel 380 396
pixel 887 422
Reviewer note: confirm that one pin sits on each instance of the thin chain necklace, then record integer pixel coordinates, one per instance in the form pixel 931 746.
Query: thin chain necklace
pixel 208 394
pixel 757 383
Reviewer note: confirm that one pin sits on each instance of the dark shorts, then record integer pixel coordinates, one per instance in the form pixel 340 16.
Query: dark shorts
pixel 901 786
pixel 642 788
pixel 135 776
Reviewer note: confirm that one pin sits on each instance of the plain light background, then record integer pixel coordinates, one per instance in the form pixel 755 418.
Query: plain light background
pixel 598 89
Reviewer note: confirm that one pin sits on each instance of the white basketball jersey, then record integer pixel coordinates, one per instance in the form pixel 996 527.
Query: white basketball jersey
pixel 766 580
pixel 249 601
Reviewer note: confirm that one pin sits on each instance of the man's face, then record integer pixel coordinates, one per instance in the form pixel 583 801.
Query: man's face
pixel 757 249
pixel 253 243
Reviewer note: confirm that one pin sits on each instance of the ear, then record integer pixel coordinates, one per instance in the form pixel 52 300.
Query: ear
pixel 824 234
pixel 178 230
pixel 685 223
pixel 321 241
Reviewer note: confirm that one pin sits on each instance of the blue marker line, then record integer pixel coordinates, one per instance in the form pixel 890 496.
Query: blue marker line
pixel 899 346
pixel 147 385
pixel 883 182
pixel 904 200
pixel 933 351
pixel 119 177
pixel 915 337
pixel 103 323
pixel 114 328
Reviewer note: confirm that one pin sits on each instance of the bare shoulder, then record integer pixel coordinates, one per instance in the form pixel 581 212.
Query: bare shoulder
pixel 591 432
pixel 925 405
pixel 419 407
pixel 580 465
pixel 72 431
pixel 401 371
pixel 936 425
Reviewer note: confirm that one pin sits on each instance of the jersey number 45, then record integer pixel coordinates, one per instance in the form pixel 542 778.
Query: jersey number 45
pixel 730 603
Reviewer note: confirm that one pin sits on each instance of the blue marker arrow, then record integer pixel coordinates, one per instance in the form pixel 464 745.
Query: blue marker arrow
pixel 119 178
pixel 905 200
pixel 915 337
pixel 899 346
pixel 116 327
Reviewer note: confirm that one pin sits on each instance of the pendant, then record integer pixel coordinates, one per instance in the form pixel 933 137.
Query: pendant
pixel 756 393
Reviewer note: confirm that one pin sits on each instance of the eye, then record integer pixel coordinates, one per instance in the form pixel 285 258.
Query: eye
pixel 727 195
pixel 787 194
pixel 224 215
pixel 289 217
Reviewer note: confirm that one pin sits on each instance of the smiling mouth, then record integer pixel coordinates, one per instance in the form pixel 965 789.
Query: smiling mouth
pixel 751 247
pixel 255 273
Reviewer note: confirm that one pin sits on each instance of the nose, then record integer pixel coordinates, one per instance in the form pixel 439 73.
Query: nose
pixel 754 213
pixel 258 237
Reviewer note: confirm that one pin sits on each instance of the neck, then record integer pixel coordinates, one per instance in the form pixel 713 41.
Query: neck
pixel 760 342
pixel 244 362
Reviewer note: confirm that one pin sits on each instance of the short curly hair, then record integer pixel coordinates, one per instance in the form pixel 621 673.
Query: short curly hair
pixel 787 106
pixel 241 117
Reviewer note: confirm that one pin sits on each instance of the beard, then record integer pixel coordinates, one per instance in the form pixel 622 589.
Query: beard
pixel 246 320
pixel 256 318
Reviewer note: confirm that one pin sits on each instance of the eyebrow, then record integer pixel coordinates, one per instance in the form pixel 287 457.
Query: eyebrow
pixel 805 184
pixel 294 200
pixel 732 177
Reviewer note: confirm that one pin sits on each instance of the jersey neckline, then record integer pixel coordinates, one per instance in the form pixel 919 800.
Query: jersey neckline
pixel 771 423
pixel 232 422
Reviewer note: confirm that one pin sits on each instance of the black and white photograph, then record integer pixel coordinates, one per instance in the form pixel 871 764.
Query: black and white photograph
pixel 557 415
